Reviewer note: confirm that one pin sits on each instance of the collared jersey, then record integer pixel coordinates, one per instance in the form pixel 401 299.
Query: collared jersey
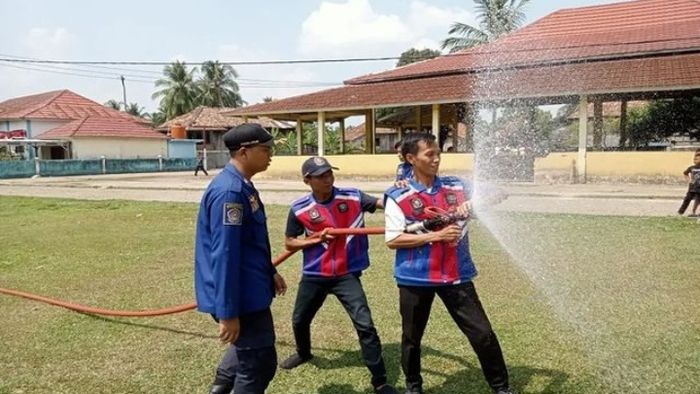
pixel 404 171
pixel 233 269
pixel 344 254
pixel 437 263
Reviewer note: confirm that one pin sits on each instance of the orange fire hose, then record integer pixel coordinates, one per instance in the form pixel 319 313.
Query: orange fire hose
pixel 175 309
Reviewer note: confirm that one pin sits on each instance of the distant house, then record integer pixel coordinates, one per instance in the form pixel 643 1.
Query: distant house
pixel 209 124
pixel 36 114
pixel 385 137
pixel 96 136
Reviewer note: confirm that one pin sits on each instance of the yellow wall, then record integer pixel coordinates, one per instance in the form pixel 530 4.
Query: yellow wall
pixel 365 165
pixel 621 164
pixel 119 148
pixel 638 163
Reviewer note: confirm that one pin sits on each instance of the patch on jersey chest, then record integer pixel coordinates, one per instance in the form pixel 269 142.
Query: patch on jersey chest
pixel 315 216
pixel 233 214
pixel 417 205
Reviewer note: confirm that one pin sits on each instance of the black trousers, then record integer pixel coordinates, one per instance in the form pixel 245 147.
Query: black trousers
pixel 196 170
pixel 251 362
pixel 690 196
pixel 348 289
pixel 464 306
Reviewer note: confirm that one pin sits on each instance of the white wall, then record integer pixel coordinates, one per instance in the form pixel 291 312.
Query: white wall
pixel 38 126
pixel 119 148
pixel 41 126
pixel 13 125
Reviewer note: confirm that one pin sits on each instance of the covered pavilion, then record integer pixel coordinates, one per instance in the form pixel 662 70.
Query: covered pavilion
pixel 635 50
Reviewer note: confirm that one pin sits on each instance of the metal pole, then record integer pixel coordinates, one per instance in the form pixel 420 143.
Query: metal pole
pixel 124 91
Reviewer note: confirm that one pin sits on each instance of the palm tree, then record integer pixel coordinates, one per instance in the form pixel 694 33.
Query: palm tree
pixel 136 110
pixel 496 18
pixel 217 87
pixel 157 118
pixel 114 104
pixel 177 92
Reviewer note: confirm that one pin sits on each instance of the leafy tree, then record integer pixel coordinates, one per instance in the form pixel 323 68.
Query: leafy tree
pixel 415 55
pixel 114 104
pixel 136 110
pixel 157 118
pixel 496 18
pixel 663 119
pixel 178 91
pixel 217 86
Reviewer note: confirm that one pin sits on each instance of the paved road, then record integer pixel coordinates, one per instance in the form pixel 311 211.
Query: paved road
pixel 598 199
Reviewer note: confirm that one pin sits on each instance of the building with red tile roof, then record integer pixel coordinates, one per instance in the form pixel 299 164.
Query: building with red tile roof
pixel 633 50
pixel 65 115
pixel 210 123
pixel 96 136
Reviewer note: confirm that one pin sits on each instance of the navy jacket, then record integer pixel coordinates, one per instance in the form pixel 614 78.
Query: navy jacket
pixel 233 269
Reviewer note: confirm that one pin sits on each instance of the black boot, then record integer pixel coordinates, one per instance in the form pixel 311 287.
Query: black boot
pixel 294 361
pixel 221 389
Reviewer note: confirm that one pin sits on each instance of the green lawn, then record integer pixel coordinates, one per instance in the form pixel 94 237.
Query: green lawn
pixel 581 304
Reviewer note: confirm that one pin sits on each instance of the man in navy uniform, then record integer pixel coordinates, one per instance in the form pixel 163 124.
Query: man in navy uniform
pixel 235 280
pixel 333 266
pixel 430 263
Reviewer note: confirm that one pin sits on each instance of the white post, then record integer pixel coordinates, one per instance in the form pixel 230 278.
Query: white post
pixel 321 131
pixel 204 156
pixel 160 162
pixel 341 125
pixel 436 120
pixel 37 166
pixel 582 138
pixel 419 119
pixel 104 164
pixel 374 131
pixel 300 136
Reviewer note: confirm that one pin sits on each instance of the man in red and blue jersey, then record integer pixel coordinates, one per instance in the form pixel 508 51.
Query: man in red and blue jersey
pixel 404 170
pixel 334 265
pixel 430 263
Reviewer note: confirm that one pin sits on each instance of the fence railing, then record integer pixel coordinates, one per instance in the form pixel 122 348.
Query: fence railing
pixel 30 168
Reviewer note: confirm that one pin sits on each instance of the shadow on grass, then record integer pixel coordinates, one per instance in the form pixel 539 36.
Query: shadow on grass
pixel 149 326
pixel 468 380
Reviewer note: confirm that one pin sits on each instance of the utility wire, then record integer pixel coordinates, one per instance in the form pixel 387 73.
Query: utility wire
pixel 253 84
pixel 232 63
pixel 155 74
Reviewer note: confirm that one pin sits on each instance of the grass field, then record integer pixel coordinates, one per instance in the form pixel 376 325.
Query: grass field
pixel 581 304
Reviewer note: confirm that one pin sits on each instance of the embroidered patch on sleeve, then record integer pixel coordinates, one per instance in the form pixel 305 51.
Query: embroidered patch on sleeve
pixel 233 214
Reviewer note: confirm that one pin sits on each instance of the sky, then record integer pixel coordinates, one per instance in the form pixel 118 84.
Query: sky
pixel 233 30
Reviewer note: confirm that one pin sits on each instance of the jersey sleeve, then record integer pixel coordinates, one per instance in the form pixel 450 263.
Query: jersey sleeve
pixel 369 203
pixel 294 226
pixel 394 220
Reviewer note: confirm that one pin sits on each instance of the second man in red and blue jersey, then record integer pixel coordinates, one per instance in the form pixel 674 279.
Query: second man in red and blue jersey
pixel 334 265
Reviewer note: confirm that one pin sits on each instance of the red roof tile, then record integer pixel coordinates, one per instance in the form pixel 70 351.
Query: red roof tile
pixel 97 126
pixel 214 118
pixel 629 75
pixel 607 31
pixel 59 104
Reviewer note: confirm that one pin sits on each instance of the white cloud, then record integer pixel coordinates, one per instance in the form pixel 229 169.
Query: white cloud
pixel 354 28
pixel 426 18
pixel 350 26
